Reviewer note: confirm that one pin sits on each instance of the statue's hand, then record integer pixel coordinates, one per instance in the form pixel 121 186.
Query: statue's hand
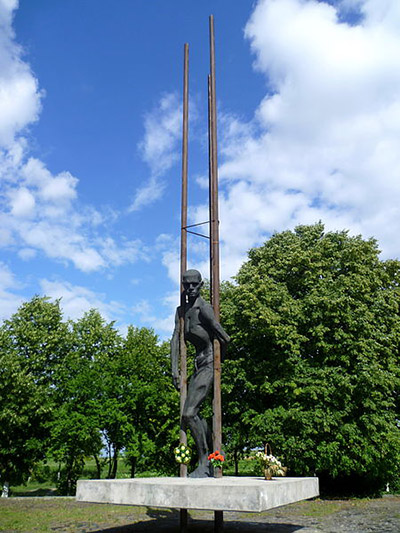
pixel 176 380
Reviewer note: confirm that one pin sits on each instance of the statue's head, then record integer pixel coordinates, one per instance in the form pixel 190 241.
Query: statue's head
pixel 192 283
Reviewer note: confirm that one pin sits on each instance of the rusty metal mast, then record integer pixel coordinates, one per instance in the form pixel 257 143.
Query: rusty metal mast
pixel 214 241
pixel 214 257
pixel 183 266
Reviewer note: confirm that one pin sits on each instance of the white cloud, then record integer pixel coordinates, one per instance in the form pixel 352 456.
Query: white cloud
pixel 324 144
pixel 159 148
pixel 22 202
pixel 6 238
pixel 124 252
pixel 147 194
pixel 60 189
pixel 20 97
pixel 162 129
pixel 150 318
pixel 59 243
pixel 386 12
pixel 145 311
pixel 76 300
pixel 9 300
pixel 168 248
pixel 27 253
pixel 167 324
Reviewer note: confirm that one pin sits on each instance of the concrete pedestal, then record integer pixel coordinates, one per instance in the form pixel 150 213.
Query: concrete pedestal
pixel 247 494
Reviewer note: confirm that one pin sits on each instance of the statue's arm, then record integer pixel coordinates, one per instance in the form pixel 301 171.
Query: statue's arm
pixel 216 328
pixel 175 352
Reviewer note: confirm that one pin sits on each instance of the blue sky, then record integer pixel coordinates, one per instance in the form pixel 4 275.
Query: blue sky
pixel 90 135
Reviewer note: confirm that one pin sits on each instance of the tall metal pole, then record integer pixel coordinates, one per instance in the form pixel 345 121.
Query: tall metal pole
pixel 183 265
pixel 214 260
pixel 214 241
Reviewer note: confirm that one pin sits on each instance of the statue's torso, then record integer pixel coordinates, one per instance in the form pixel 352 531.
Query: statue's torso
pixel 196 331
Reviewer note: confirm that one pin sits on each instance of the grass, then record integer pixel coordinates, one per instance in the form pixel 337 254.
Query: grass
pixel 62 514
pixel 65 515
pixel 320 508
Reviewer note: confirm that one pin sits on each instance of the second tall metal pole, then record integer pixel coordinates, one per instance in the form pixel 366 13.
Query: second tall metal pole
pixel 183 266
pixel 214 241
pixel 214 260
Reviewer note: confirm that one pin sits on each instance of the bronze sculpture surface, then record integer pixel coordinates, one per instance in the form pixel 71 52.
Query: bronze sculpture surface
pixel 200 329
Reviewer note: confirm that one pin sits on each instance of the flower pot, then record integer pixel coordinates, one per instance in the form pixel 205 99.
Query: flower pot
pixel 218 471
pixel 268 473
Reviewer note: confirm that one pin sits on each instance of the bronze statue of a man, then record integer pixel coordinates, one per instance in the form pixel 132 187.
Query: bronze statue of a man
pixel 200 328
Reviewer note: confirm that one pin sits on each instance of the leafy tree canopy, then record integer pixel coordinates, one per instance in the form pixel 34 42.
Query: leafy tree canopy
pixel 33 346
pixel 315 318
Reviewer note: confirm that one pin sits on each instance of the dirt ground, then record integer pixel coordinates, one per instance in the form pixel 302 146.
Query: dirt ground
pixel 330 516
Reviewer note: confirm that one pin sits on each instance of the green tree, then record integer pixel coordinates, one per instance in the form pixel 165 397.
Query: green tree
pixel 150 402
pixel 113 394
pixel 88 408
pixel 39 337
pixel 34 343
pixel 316 318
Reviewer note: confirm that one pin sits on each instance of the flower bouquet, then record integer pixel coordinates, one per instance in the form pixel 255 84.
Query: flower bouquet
pixel 269 464
pixel 183 454
pixel 216 459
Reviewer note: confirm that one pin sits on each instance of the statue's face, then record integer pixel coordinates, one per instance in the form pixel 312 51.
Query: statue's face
pixel 192 285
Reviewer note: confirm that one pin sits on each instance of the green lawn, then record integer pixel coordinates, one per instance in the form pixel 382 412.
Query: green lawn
pixel 65 515
pixel 45 514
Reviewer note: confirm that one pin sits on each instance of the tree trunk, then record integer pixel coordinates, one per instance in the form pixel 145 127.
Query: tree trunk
pixel 133 462
pixel 6 489
pixel 114 464
pixel 68 475
pixel 98 466
pixel 236 461
pixel 109 461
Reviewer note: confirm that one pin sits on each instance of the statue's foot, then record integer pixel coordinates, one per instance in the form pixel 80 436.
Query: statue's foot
pixel 202 471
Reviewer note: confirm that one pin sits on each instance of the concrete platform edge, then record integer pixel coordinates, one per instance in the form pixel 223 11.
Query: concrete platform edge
pixel 245 494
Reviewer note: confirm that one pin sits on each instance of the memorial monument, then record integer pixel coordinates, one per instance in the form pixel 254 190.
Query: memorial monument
pixel 197 322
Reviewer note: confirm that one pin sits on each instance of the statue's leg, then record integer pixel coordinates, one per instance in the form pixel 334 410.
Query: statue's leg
pixel 198 390
pixel 208 434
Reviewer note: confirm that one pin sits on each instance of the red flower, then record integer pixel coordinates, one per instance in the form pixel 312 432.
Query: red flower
pixel 216 456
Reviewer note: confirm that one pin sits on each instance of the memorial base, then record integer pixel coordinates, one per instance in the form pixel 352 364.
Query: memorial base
pixel 243 494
